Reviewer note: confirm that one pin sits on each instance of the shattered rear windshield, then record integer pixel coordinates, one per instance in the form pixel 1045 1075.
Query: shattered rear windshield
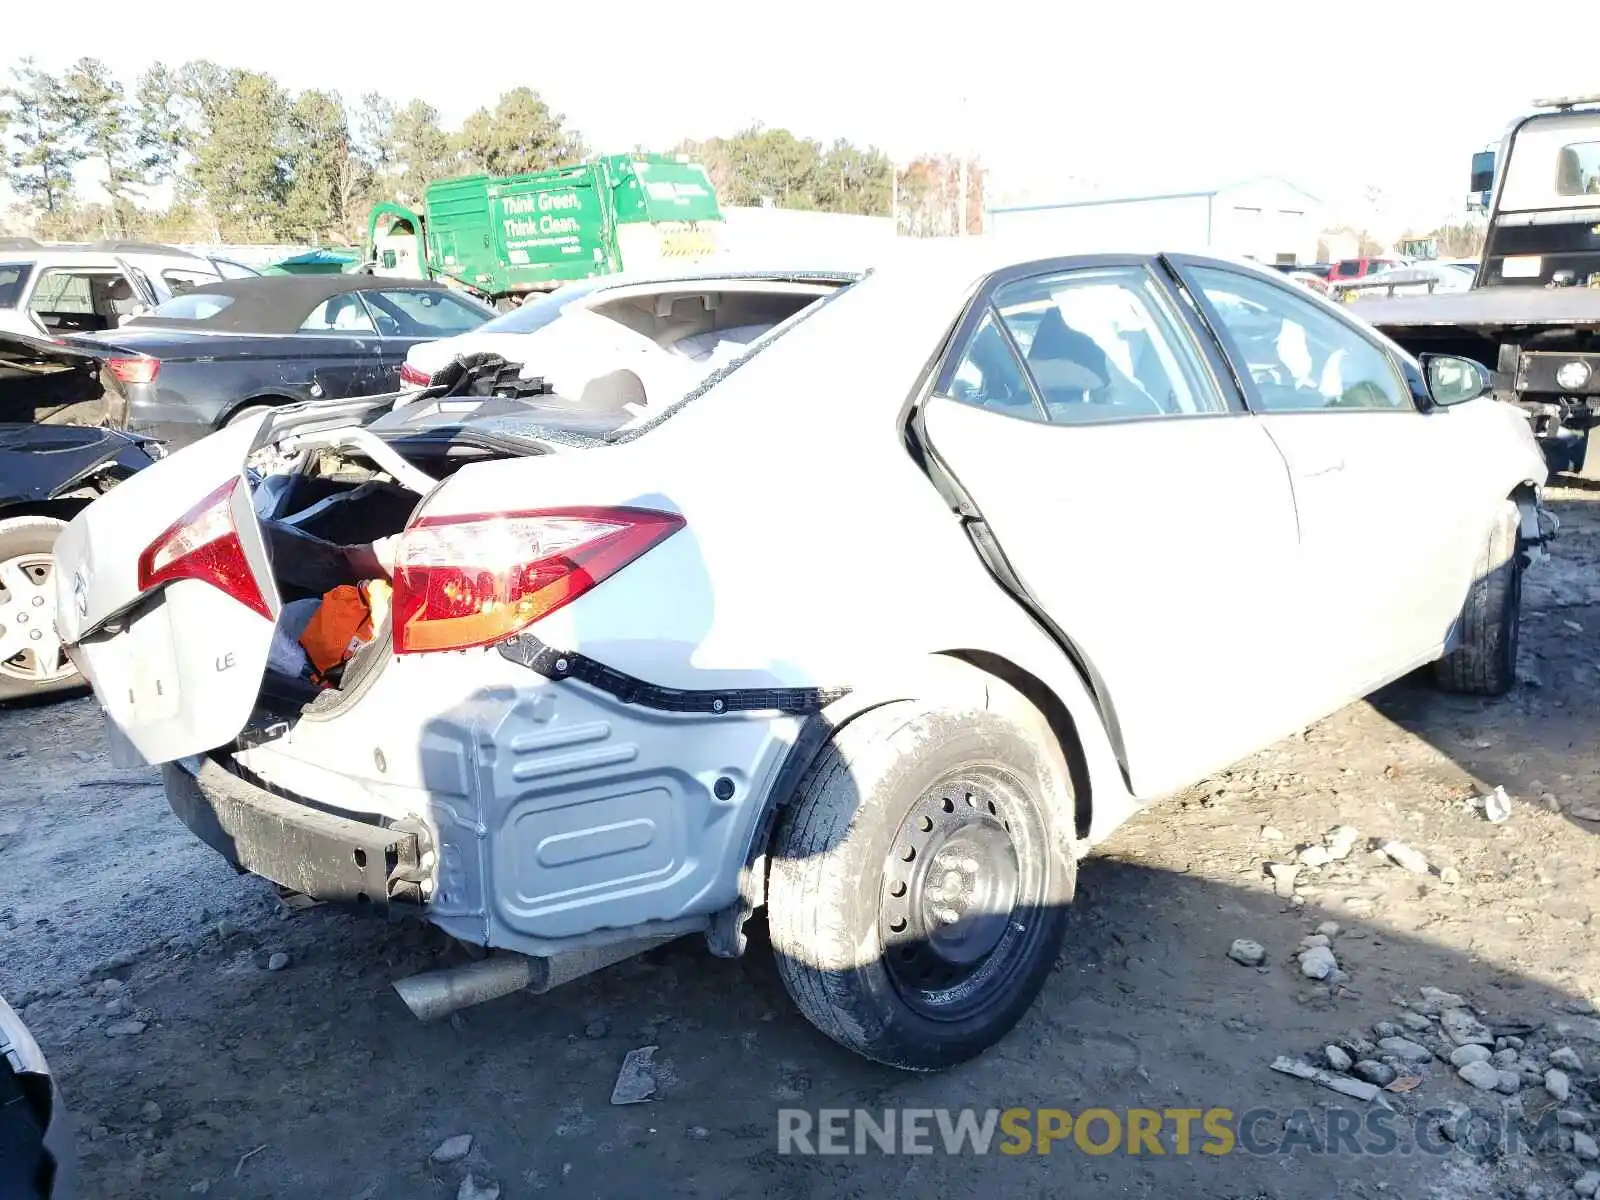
pixel 611 405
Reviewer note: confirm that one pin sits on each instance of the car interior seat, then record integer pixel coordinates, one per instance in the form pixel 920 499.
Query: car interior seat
pixel 1068 365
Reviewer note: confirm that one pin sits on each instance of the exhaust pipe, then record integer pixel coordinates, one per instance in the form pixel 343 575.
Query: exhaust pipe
pixel 436 994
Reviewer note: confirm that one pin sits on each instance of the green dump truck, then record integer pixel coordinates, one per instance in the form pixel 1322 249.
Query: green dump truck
pixel 506 236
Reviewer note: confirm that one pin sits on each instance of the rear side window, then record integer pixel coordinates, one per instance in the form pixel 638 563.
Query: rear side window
pixel 64 292
pixel 13 278
pixel 989 375
pixel 193 306
pixel 182 281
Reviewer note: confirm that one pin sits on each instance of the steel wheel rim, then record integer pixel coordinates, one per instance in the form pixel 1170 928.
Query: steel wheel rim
pixel 956 915
pixel 30 648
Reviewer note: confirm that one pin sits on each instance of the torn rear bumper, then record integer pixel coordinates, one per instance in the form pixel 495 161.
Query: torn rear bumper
pixel 318 853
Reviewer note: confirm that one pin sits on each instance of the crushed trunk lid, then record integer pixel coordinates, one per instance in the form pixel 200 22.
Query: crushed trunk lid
pixel 178 666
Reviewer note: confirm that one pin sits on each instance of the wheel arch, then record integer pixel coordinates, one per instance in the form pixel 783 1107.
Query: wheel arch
pixel 62 509
pixel 1059 717
pixel 948 672
pixel 1532 517
pixel 265 400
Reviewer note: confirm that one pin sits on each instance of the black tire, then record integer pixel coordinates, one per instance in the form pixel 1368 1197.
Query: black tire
pixel 23 1160
pixel 1591 458
pixel 831 889
pixel 1485 664
pixel 30 540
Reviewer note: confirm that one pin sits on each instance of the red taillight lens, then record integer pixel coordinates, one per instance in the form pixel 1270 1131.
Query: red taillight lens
pixel 414 376
pixel 203 544
pixel 476 580
pixel 134 370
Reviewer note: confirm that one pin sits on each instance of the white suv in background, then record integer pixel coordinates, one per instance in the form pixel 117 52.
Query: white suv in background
pixel 50 289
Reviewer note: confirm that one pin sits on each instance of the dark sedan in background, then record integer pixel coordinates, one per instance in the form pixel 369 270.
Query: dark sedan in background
pixel 220 352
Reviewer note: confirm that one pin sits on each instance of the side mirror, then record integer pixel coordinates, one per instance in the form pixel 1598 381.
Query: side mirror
pixel 1454 380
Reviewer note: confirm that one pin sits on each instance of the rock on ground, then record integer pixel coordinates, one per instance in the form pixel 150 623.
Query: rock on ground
pixel 1318 963
pixel 1373 1071
pixel 1247 953
pixel 1403 855
pixel 452 1149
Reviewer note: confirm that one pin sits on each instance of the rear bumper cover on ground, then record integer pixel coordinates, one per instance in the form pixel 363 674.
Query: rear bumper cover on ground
pixel 318 853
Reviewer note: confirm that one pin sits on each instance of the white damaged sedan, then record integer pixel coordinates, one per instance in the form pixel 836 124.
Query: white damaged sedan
pixel 963 560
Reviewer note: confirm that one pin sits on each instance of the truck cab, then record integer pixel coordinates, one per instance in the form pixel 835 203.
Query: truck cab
pixel 1544 198
pixel 1532 314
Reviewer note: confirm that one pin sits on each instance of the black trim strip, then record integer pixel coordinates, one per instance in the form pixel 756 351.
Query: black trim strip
pixel 528 651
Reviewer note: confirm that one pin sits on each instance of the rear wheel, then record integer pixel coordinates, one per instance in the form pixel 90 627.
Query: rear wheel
pixel 32 662
pixel 919 882
pixel 1485 663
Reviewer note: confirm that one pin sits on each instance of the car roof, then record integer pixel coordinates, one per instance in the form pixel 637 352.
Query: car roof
pixel 24 249
pixel 278 303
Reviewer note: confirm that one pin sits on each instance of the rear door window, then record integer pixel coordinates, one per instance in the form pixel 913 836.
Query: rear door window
pixel 339 314
pixel 81 300
pixel 1101 345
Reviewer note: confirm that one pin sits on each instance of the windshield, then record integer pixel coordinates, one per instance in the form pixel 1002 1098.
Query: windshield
pixel 1554 163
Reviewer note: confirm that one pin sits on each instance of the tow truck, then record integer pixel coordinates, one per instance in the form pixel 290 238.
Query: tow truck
pixel 1532 314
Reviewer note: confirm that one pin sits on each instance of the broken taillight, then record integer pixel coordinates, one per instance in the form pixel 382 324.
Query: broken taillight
pixel 134 370
pixel 464 581
pixel 204 544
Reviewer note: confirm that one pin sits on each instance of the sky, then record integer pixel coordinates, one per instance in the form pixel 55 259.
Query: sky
pixel 1057 98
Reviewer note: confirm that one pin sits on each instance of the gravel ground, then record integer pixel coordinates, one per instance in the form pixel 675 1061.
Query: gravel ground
pixel 214 1041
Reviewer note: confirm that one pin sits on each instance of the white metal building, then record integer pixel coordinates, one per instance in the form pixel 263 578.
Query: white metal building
pixel 1267 219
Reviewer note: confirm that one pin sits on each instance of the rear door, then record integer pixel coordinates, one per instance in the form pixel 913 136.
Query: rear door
pixel 1390 521
pixel 1149 516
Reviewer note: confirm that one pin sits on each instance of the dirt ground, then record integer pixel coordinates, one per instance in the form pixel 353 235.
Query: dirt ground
pixel 143 966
